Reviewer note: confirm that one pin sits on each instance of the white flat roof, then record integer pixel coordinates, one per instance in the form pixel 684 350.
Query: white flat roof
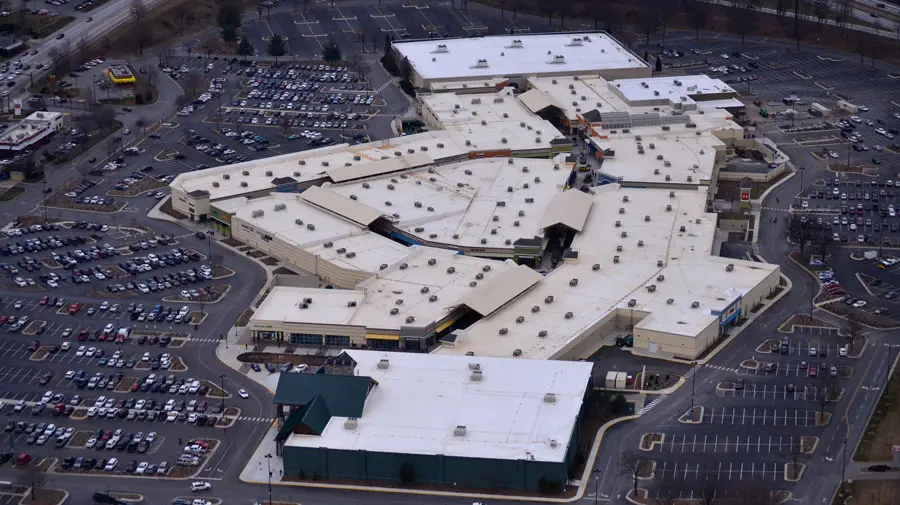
pixel 421 399
pixel 671 88
pixel 515 55
pixel 329 306
pixel 686 154
pixel 456 204
pixel 691 274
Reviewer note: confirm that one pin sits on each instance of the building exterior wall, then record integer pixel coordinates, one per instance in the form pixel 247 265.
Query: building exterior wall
pixel 329 273
pixel 188 205
pixel 471 473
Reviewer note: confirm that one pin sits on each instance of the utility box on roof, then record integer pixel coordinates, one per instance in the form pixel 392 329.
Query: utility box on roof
pixel 621 380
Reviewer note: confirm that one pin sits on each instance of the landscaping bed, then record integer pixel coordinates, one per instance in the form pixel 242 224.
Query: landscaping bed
pixel 802 320
pixel 45 497
pixel 268 260
pixel 166 208
pixel 11 193
pixel 231 242
pixel 279 358
pixel 214 391
pixel 868 492
pixel 649 439
pixel 866 318
pixel 80 438
pixel 142 186
pixel 219 271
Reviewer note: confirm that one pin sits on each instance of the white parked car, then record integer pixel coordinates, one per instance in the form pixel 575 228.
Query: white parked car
pixel 243 394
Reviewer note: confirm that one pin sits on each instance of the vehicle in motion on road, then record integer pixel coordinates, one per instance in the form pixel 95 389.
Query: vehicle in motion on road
pixel 200 486
pixel 243 394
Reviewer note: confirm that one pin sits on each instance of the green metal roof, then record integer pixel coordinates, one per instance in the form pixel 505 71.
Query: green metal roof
pixel 293 420
pixel 344 395
pixel 317 416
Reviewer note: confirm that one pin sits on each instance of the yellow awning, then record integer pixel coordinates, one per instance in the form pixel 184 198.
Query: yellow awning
pixel 444 326
pixel 376 336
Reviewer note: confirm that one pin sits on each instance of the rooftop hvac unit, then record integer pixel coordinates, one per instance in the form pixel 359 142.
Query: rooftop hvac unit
pixel 476 375
pixel 525 186
pixel 476 101
pixel 484 241
pixel 468 142
pixel 625 198
pixel 341 250
pixel 243 184
pixel 618 224
pixel 440 145
pixel 501 203
pixel 618 248
pixel 424 289
pixel 697 220
pixel 659 156
pixel 529 200
pixel 670 301
pixel 632 303
pixel 655 171
pixel 549 398
pixel 433 235
pixel 297 174
pixel 535 309
pixel 573 282
pixel 432 262
pixel 659 263
pixel 404 266
pixel 520 319
pixel 456 235
pixel 667 163
pixel 390 187
pixel 542 333
pixel 328 245
pixel 668 208
pixel 245 172
pixel 558 58
pixel 640 243
pixel 257 213
pixel 624 234
pixel 441 48
pixel 302 162
pixel 432 298
pixel 365 185
pixel 595 267
pixel 298 222
pixel 548 299
pixel 495 218
pixel 479 276
pixel 459 431
pixel 410 319
pixel 451 270
pixel 350 423
pixel 395 311
pixel 615 259
pixel 215 184
pixel 569 315
pixel 690 178
pixel 268 173
pixel 383 266
pixel 388 203
pixel 503 139
pixel 621 210
pixel 682 229
pixel 383 364
pixel 537 140
pixel 504 331
pixel 508 241
pixel 411 150
pixel 517 353
pixel 351 303
pixel 354 197
pixel 665 128
pixel 695 305
pixel 660 278
pixel 647 218
pixel 651 288
pixel 311 227
pixel 280 206
pixel 668 178
pixel 729 267
pixel 399 301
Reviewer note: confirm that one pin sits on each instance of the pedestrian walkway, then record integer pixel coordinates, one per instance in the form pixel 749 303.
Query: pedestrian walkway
pixel 268 420
pixel 648 407
pixel 722 368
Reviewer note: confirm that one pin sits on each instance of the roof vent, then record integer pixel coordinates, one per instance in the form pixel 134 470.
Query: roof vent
pixel 520 319
pixel 473 284
pixel 632 303
pixel 395 311
pixel 451 270
pixel 542 333
pixel 573 282
pixel 350 423
pixel 535 309
pixel 245 172
pixel 729 267
pixel 302 162
pixel 432 298
pixel 615 259
pixel 569 315
pixel 432 262
pixel 595 267
pixel 243 184
pixel 410 319
pixel 695 305
pixel 504 331
pixel 459 431
pixel 476 375
pixel 383 364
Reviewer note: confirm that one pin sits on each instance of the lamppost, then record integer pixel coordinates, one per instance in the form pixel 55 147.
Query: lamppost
pixel 269 468
pixel 596 473
pixel 9 420
pixel 44 200
pixel 222 378
pixel 693 387
pixel 849 146
pixel 844 462
pixel 890 347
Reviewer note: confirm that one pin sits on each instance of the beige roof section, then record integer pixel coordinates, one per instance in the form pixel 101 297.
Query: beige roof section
pixel 536 100
pixel 570 208
pixel 341 205
pixel 379 166
pixel 490 296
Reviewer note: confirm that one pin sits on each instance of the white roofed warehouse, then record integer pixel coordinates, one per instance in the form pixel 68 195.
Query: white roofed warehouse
pixel 516 57
pixel 470 422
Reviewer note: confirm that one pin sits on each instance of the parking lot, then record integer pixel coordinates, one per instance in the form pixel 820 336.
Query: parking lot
pixel 727 444
pixel 721 471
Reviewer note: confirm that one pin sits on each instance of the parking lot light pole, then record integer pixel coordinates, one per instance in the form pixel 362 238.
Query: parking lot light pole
pixel 9 420
pixel 269 468
pixel 44 200
pixel 596 472
pixel 890 347
pixel 222 378
pixel 693 387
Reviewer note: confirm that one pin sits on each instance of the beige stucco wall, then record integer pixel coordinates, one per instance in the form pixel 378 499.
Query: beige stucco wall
pixel 187 205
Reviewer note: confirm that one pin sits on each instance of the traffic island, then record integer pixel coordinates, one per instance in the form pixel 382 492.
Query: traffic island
pixel 177 365
pixel 79 438
pixel 823 418
pixel 642 497
pixel 129 497
pixel 40 354
pixel 793 471
pixel 724 387
pixel 802 321
pixel 142 186
pixel 46 464
pixel 645 470
pixel 44 497
pixel 220 272
pixel 845 371
pixel 124 385
pixel 214 391
pixel 694 416
pixel 649 441
pixel 768 346
pixel 750 364
pixel 79 415
pixel 808 444
pixel 33 327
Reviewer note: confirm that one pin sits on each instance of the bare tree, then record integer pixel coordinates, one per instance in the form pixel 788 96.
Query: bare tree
pixel 31 477
pixel 142 123
pixel 141 32
pixel 192 83
pixel 698 15
pixel 181 101
pixel 112 146
pixel 631 465
pixel 104 117
pixel 708 489
pixel 84 170
pixel 852 328
pixel 152 76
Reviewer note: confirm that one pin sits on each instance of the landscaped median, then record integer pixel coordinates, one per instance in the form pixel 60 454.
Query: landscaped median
pixel 883 430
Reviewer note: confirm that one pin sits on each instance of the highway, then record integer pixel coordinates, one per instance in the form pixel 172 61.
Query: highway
pixel 103 21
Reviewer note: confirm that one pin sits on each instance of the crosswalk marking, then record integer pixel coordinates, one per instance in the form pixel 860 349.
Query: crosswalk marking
pixel 656 401
pixel 723 368
pixel 250 419
pixel 383 86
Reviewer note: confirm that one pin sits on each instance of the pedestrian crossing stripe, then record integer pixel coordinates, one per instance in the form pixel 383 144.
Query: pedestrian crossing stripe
pixel 723 368
pixel 649 406
pixel 268 420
